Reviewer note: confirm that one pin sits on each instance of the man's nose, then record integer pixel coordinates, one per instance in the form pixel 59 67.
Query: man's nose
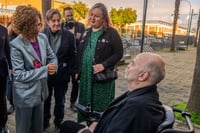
pixel 57 22
pixel 129 65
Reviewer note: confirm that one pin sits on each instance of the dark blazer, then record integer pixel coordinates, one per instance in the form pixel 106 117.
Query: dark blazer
pixel 4 51
pixel 66 54
pixel 108 50
pixel 79 28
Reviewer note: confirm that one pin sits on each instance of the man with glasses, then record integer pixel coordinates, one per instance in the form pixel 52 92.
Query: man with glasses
pixel 77 29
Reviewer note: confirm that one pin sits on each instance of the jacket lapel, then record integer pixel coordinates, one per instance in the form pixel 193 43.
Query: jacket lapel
pixel 29 48
pixel 40 43
pixel 62 41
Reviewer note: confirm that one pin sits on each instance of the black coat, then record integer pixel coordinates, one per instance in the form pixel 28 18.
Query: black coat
pixel 4 52
pixel 139 111
pixel 109 49
pixel 79 28
pixel 66 54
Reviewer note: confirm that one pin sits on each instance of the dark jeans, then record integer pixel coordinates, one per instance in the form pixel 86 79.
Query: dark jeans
pixel 59 89
pixel 74 92
pixel 3 107
pixel 70 127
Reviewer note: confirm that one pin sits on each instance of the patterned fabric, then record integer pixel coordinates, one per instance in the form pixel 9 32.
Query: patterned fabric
pixel 103 93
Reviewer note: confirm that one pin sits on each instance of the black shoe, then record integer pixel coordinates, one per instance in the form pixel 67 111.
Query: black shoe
pixel 11 109
pixel 5 130
pixel 57 127
pixel 73 107
pixel 46 124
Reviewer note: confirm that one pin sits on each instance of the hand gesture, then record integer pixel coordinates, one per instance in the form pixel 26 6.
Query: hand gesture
pixel 52 68
pixel 98 68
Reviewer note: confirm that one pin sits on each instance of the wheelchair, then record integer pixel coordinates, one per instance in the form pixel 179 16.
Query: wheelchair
pixel 165 127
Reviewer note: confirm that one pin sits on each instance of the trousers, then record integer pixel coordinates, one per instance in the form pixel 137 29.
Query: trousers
pixel 3 107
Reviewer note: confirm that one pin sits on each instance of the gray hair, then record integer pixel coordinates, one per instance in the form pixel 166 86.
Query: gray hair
pixel 155 70
pixel 50 13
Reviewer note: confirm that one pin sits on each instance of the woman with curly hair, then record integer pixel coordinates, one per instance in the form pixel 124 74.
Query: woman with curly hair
pixel 32 60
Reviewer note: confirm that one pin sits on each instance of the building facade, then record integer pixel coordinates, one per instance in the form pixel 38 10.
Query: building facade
pixel 7 7
pixel 157 27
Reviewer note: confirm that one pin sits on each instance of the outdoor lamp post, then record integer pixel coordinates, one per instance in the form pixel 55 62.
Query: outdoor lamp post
pixel 143 24
pixel 197 31
pixel 189 22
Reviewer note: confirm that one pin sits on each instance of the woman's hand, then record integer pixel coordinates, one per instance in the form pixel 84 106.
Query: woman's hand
pixel 98 68
pixel 80 131
pixel 52 68
pixel 91 127
pixel 76 78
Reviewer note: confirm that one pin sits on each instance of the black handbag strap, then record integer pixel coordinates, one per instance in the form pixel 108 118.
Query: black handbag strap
pixel 91 106
pixel 93 59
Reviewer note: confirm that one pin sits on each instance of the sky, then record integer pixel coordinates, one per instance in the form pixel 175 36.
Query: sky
pixel 156 10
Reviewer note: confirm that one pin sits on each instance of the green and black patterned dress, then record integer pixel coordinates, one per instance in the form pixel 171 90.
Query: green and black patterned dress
pixel 103 93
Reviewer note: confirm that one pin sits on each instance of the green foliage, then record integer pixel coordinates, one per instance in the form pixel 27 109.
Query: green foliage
pixel 122 16
pixel 195 118
pixel 129 15
pixel 139 33
pixel 80 10
pixel 152 32
pixel 123 30
pixel 115 19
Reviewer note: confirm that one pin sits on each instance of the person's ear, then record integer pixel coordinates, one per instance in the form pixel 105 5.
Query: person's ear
pixel 47 22
pixel 143 76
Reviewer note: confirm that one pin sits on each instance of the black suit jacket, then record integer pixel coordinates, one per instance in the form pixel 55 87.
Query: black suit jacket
pixel 4 52
pixel 66 54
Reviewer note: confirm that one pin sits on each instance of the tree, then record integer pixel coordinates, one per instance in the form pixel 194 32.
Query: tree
pixel 193 103
pixel 128 16
pixel 115 19
pixel 139 33
pixel 152 33
pixel 121 17
pixel 80 10
pixel 197 32
pixel 176 13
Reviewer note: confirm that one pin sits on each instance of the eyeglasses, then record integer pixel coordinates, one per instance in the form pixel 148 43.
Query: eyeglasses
pixel 38 25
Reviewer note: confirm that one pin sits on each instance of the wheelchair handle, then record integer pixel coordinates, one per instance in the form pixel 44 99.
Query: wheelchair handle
pixel 187 117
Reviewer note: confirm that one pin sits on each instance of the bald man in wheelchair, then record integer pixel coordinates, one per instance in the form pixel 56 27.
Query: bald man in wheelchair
pixel 136 111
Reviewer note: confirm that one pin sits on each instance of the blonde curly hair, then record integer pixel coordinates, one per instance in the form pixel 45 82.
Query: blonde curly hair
pixel 24 21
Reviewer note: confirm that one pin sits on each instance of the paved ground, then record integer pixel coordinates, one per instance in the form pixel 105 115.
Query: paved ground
pixel 175 88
